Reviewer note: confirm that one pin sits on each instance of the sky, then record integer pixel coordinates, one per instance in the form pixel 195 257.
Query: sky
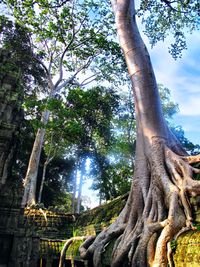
pixel 182 77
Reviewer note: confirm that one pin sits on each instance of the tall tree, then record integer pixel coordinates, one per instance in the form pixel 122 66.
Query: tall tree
pixel 93 111
pixel 83 118
pixel 69 41
pixel 52 152
pixel 158 204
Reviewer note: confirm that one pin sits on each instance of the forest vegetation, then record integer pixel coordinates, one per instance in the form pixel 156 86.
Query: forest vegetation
pixel 92 111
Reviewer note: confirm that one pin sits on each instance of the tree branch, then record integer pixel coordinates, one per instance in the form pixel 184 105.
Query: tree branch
pixel 83 83
pixel 48 75
pixel 64 52
pixel 51 6
pixel 192 159
pixel 71 79
pixel 169 4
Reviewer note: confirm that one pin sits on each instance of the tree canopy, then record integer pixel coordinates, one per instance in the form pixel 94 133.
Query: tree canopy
pixel 174 18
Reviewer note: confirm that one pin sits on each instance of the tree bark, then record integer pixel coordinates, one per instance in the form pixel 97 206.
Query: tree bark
pixel 66 246
pixel 158 204
pixel 42 181
pixel 30 181
pixel 48 160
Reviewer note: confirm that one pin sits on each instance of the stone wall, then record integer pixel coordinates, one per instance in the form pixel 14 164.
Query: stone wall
pixel 186 248
pixel 36 237
pixel 92 222
pixel 22 235
pixel 48 224
pixel 11 115
pixel 187 253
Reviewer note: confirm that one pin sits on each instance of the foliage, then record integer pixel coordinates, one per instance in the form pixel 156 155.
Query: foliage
pixel 169 108
pixel 113 168
pixel 15 39
pixel 26 140
pixel 58 183
pixel 158 206
pixel 124 125
pixel 79 124
pixel 93 110
pixel 64 35
pixel 173 245
pixel 67 37
pixel 73 49
pixel 188 145
pixel 162 18
pixel 58 178
pixel 112 179
pixel 83 117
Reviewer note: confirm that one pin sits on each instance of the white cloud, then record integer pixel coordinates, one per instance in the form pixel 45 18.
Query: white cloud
pixel 191 107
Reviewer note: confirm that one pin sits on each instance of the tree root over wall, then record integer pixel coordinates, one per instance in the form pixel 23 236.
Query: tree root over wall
pixel 158 206
pixel 157 210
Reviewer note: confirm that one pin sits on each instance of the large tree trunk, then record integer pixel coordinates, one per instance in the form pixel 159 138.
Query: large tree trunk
pixel 30 181
pixel 158 205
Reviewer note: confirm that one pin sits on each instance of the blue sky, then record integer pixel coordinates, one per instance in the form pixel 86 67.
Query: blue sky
pixel 182 77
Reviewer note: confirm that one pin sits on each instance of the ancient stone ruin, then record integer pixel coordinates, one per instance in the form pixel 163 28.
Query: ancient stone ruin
pixel 35 237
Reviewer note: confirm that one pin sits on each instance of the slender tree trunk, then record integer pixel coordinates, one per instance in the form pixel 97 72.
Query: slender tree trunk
pixel 42 181
pixel 30 181
pixel 48 160
pixel 158 204
pixel 80 186
pixel 74 189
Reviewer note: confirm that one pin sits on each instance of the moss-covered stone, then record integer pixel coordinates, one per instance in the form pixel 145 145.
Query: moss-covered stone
pixel 51 247
pixel 50 228
pixel 188 250
pixel 73 251
pixel 48 224
pixel 92 222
